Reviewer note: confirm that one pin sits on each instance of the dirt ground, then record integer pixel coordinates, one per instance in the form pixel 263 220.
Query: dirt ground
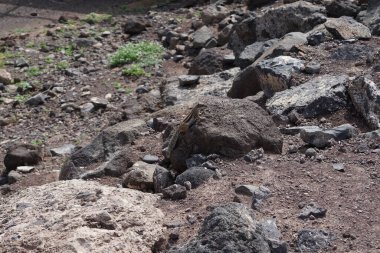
pixel 352 197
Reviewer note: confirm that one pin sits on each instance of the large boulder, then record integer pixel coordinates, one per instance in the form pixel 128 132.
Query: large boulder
pixel 365 95
pixel 228 228
pixel 216 84
pixel 22 155
pixel 321 95
pixel 345 28
pixel 229 127
pixel 371 17
pixel 79 216
pixel 103 147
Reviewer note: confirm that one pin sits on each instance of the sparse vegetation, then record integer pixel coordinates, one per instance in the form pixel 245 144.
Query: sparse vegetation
pixel 23 86
pixel 37 142
pixel 21 98
pixel 94 18
pixel 142 54
pixel 62 65
pixel 134 70
pixel 33 71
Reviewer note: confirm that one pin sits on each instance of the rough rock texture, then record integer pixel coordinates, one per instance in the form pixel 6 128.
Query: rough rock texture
pixel 214 14
pixel 345 28
pixel 313 240
pixel 202 36
pixel 365 96
pixel 229 228
pixel 135 25
pixel 208 61
pixel 321 95
pixel 140 176
pixel 321 138
pixel 218 131
pixel 253 52
pixel 195 175
pixel 22 154
pixel 102 147
pixel 245 83
pixel 275 74
pixel 371 17
pixel 338 8
pixel 79 216
pixel 217 85
pixel 5 77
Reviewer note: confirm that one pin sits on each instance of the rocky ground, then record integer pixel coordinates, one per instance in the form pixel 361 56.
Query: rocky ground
pixel 240 126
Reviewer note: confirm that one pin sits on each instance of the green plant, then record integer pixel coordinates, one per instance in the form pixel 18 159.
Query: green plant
pixel 62 65
pixel 134 70
pixel 21 98
pixel 94 18
pixel 145 53
pixel 30 44
pixel 49 60
pixel 43 46
pixel 24 86
pixel 37 142
pixel 33 71
pixel 117 85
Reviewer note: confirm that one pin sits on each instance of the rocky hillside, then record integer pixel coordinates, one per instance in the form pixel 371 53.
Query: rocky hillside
pixel 191 126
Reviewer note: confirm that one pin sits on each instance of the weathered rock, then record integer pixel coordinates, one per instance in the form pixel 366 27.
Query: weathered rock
pixel 66 149
pixel 312 68
pixel 245 83
pixel 37 100
pixel 254 155
pixel 25 169
pixel 338 8
pixel 225 34
pixel 188 80
pixel 99 103
pixel 345 28
pixel 217 85
pixel 365 95
pixel 371 17
pixel 195 175
pixel 218 131
pixel 175 192
pixel 135 25
pixel 102 148
pixel 351 52
pixel 119 163
pixel 321 138
pixel 13 177
pixel 338 167
pixel 22 155
pixel 150 159
pixel 312 240
pixel 321 95
pixel 229 228
pixel 140 176
pixel 312 209
pixel 36 214
pixel 202 36
pixel 162 178
pixel 208 61
pixel 275 74
pixel 252 4
pixel 214 14
pixel 5 77
pixel 253 52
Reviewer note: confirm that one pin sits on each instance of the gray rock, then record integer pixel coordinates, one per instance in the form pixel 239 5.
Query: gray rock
pixel 345 28
pixel 316 38
pixel 214 133
pixel 162 178
pixel 84 42
pixel 252 52
pixel 208 61
pixel 195 175
pixel 225 34
pixel 25 169
pixel 371 17
pixel 321 95
pixel 245 83
pixel 313 240
pixel 229 228
pixel 103 147
pixel 22 155
pixel 273 236
pixel 321 138
pixel 202 36
pixel 214 14
pixel 99 103
pixel 119 163
pixel 21 63
pixel 275 74
pixel 216 84
pixel 13 177
pixel 140 177
pixel 5 77
pixel 135 25
pixel 188 80
pixel 150 159
pixel 314 210
pixel 338 167
pixel 87 107
pixel 195 160
pixel 351 52
pixel 254 155
pixel 365 95
pixel 338 8
pixel 37 100
pixel 259 196
pixel 175 192
pixel 311 152
pixel 312 68
pixel 66 149
pixel 297 129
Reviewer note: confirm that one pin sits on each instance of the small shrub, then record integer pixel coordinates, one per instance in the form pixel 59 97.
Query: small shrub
pixel 145 53
pixel 21 98
pixel 62 65
pixel 23 86
pixel 94 18
pixel 134 70
pixel 33 71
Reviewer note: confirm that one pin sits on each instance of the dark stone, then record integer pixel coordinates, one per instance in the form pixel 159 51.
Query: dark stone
pixel 22 155
pixel 162 178
pixel 175 192
pixel 196 176
pixel 135 25
pixel 312 210
pixel 312 240
pixel 338 8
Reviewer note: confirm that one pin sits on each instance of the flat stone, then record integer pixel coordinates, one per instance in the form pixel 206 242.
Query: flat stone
pixel 25 169
pixel 66 149
pixel 338 167
pixel 175 192
pixel 150 159
pixel 312 209
pixel 37 100
pixel 188 80
pixel 140 176
pixel 346 28
pixel 312 68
